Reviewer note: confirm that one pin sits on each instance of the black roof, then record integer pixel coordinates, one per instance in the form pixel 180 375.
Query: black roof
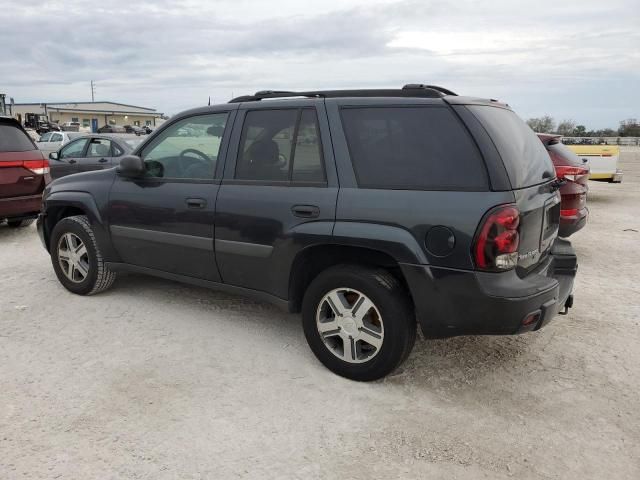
pixel 410 90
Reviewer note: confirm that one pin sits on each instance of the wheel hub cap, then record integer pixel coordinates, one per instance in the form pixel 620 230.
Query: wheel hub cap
pixel 350 325
pixel 73 257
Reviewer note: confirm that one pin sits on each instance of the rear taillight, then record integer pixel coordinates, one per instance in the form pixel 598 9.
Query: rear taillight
pixel 496 244
pixel 39 167
pixel 571 173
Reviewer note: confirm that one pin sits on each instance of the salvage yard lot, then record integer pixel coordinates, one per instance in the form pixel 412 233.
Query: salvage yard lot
pixel 155 379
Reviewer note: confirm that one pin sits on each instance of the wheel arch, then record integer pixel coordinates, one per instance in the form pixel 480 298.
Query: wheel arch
pixel 67 204
pixel 314 259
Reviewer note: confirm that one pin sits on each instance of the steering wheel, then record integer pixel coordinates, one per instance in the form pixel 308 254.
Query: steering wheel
pixel 204 159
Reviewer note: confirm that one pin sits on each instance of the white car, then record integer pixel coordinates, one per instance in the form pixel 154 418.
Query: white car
pixel 602 161
pixel 52 141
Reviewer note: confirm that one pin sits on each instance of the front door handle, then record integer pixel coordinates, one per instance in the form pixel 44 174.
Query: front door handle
pixel 305 211
pixel 196 202
pixel 103 160
pixel 72 161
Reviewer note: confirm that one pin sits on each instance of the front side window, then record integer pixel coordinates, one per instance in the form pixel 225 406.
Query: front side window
pixel 74 149
pixel 46 137
pixel 412 148
pixel 99 147
pixel 188 149
pixel 112 122
pixel 280 145
pixel 56 137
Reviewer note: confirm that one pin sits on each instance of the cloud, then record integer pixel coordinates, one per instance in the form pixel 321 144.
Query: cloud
pixel 554 57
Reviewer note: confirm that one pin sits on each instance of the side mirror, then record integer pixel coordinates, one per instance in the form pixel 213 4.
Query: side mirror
pixel 54 156
pixel 131 166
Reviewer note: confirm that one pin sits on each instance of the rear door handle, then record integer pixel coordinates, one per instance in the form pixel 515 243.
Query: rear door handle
pixel 72 161
pixel 103 160
pixel 305 211
pixel 196 202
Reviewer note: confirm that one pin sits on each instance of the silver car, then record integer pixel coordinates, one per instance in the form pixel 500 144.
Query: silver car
pixel 52 141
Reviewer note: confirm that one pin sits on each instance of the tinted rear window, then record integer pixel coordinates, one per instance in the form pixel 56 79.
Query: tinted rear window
pixel 421 148
pixel 12 139
pixel 524 156
pixel 565 153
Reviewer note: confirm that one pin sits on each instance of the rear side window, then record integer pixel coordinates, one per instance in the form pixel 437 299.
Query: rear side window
pixel 524 156
pixel 13 139
pixel 281 146
pixel 418 148
pixel 565 153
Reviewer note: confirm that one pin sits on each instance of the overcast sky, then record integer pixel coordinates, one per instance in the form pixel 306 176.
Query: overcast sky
pixel 571 59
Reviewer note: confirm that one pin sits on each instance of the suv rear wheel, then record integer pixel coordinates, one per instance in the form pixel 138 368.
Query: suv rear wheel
pixel 358 321
pixel 20 223
pixel 76 257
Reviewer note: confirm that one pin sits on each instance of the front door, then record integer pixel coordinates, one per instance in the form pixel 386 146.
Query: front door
pixel 278 195
pixel 164 220
pixel 69 158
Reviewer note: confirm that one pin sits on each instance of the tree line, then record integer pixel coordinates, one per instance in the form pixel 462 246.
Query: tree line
pixel 569 128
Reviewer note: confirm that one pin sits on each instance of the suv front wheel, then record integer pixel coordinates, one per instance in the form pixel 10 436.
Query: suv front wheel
pixel 358 321
pixel 76 257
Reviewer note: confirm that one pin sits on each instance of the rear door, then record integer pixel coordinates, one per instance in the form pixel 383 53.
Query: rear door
pixel 531 174
pixel 98 155
pixel 278 195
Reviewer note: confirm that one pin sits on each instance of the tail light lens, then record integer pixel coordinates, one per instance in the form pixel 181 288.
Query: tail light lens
pixel 496 244
pixel 571 173
pixel 574 195
pixel 39 167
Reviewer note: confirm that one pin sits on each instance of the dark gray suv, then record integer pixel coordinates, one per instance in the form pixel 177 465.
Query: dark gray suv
pixel 366 210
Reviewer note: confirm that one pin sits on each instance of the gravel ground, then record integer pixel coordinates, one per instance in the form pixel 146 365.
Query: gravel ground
pixel 158 380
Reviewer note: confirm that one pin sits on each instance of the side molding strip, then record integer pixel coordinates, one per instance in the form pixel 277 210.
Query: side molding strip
pixel 178 239
pixel 243 248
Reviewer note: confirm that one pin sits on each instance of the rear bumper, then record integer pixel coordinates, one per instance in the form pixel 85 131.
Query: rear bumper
pixel 20 207
pixel 570 225
pixel 455 302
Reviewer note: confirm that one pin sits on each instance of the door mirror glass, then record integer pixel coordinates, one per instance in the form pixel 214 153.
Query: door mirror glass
pixel 53 155
pixel 131 166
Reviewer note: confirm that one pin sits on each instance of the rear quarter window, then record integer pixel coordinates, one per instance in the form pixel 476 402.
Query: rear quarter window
pixel 13 139
pixel 523 154
pixel 412 148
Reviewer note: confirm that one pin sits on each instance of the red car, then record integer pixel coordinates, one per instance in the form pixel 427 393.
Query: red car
pixel 574 175
pixel 24 172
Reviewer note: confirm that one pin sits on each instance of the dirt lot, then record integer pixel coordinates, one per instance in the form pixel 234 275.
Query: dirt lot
pixel 159 380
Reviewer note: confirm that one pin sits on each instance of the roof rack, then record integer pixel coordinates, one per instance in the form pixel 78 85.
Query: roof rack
pixel 409 90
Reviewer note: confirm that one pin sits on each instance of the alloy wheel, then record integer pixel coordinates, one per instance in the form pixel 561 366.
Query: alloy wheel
pixel 350 325
pixel 73 257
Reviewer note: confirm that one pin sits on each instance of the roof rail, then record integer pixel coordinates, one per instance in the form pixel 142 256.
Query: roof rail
pixel 410 90
pixel 417 86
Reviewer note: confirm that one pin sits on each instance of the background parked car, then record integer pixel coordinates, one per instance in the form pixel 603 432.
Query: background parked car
pixel 111 129
pixel 52 141
pixel 602 161
pixel 134 129
pixel 24 172
pixel 90 152
pixel 575 175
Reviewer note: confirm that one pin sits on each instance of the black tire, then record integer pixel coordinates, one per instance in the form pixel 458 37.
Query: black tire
pixel 391 300
pixel 99 277
pixel 20 223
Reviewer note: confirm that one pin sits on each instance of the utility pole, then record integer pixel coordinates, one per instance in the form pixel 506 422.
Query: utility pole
pixel 93 91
